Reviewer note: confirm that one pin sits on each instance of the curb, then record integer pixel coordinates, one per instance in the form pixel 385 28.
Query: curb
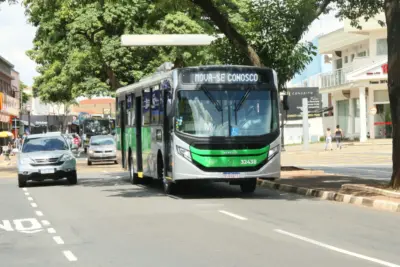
pixel 371 189
pixel 332 196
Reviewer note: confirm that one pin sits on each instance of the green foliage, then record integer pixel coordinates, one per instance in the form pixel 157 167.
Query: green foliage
pixel 276 41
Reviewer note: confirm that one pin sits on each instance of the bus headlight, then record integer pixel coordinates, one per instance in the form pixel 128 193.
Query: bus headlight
pixel 273 151
pixel 184 153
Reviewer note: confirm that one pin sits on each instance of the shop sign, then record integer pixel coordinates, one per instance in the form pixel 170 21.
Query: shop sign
pixel 11 105
pixel 1 101
pixel 295 101
pixel 385 68
pixel 4 118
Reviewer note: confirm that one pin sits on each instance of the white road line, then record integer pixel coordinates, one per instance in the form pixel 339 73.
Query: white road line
pixel 381 262
pixel 26 193
pixel 30 198
pixel 68 254
pixel 39 213
pixel 51 230
pixel 45 222
pixel 24 189
pixel 58 240
pixel 233 215
pixel 34 205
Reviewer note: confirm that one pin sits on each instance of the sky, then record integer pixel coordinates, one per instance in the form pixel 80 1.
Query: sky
pixel 16 36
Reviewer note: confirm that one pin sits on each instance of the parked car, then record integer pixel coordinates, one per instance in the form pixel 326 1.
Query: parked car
pixel 102 148
pixel 46 156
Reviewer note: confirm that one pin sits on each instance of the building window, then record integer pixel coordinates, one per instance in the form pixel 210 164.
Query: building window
pixel 346 59
pixel 362 54
pixel 352 57
pixel 381 47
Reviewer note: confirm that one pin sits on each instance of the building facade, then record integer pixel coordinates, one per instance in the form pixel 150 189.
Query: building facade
pixel 101 107
pixel 358 80
pixel 9 95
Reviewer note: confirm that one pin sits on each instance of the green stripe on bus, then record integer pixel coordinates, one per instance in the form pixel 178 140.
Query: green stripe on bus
pixel 223 161
pixel 224 152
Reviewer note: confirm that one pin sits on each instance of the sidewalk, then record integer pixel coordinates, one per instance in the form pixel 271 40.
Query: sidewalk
pixel 336 188
pixel 372 153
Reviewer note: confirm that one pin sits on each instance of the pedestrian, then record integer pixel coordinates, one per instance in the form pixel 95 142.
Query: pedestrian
pixel 338 137
pixel 328 139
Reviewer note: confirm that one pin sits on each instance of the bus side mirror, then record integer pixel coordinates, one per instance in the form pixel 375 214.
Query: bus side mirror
pixel 285 102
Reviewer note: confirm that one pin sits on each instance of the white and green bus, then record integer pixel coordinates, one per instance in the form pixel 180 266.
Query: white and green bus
pixel 208 123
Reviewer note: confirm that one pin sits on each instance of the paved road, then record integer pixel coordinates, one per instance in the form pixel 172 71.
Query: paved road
pixel 105 221
pixel 378 172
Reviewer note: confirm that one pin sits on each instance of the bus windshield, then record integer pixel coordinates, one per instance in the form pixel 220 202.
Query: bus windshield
pixel 94 126
pixel 209 112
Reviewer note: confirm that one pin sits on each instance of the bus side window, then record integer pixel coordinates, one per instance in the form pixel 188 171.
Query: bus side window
pixel 146 106
pixel 155 106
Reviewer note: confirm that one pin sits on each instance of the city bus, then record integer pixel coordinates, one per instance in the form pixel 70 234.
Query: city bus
pixel 206 123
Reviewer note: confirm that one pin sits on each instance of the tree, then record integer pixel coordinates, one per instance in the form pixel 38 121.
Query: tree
pixel 77 44
pixel 353 10
pixel 25 96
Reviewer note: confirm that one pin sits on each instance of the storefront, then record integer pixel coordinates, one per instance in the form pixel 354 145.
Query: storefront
pixel 361 107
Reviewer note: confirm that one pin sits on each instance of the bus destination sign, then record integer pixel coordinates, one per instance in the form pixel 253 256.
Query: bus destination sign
pixel 218 77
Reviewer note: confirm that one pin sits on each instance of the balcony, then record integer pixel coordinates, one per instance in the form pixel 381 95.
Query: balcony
pixel 335 78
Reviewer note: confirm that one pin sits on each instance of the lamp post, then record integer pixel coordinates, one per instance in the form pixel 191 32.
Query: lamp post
pixel 28 109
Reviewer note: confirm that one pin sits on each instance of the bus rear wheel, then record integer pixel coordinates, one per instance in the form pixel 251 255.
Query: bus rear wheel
pixel 134 179
pixel 249 186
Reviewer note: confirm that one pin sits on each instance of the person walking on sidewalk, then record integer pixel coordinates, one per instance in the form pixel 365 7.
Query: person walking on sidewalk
pixel 328 139
pixel 338 137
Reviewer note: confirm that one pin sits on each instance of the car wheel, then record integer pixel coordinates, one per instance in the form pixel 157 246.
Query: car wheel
pixel 249 186
pixel 89 163
pixel 21 181
pixel 73 178
pixel 116 162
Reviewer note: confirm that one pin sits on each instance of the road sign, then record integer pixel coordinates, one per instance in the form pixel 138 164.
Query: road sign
pixel 373 111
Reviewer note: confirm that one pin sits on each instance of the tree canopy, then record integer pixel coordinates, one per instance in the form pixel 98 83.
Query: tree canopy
pixel 77 44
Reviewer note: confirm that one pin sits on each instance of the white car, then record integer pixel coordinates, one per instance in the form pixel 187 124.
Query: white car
pixel 46 156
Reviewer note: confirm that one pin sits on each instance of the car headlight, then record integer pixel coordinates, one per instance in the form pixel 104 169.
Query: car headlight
pixel 26 161
pixel 184 153
pixel 273 151
pixel 66 157
pixel 91 151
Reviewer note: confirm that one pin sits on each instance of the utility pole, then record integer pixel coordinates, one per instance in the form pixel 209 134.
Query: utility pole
pixel 305 124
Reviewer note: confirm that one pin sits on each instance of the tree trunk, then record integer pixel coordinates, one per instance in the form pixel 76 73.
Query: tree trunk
pixel 229 30
pixel 392 12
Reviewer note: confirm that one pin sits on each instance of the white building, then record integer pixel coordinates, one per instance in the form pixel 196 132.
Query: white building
pixel 358 82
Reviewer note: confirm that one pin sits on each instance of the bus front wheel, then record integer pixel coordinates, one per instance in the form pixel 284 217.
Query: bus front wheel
pixel 249 186
pixel 170 188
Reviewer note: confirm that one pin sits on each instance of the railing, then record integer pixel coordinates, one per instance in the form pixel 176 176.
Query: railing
pixel 335 78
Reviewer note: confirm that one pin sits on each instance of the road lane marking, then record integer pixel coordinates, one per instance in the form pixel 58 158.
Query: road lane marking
pixel 26 193
pixel 58 240
pixel 34 205
pixel 51 230
pixel 24 189
pixel 39 213
pixel 68 254
pixel 30 198
pixel 233 215
pixel 45 222
pixel 343 251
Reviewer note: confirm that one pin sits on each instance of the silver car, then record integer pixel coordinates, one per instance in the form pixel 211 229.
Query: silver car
pixel 102 148
pixel 46 156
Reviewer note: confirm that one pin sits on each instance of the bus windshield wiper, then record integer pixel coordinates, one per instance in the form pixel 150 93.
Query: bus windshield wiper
pixel 209 95
pixel 246 95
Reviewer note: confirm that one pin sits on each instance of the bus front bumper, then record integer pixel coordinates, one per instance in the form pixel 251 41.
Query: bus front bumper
pixel 186 170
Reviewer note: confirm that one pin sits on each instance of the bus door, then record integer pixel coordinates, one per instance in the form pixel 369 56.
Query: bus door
pixel 122 137
pixel 138 116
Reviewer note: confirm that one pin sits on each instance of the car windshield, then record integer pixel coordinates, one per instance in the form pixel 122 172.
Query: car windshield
pixel 97 126
pixel 245 112
pixel 102 142
pixel 44 144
